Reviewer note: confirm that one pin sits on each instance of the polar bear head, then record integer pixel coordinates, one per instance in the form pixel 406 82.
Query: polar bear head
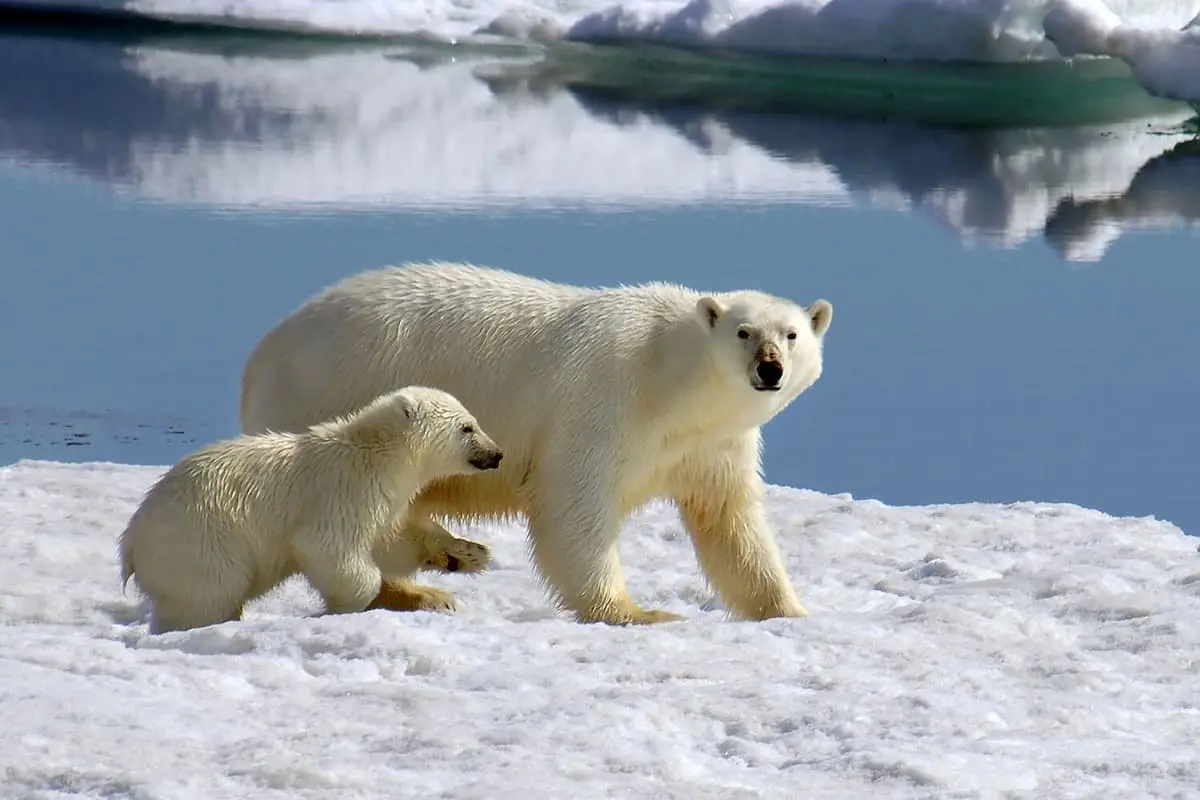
pixel 443 437
pixel 766 346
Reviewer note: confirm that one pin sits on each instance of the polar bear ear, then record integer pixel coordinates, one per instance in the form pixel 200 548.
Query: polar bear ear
pixel 821 314
pixel 710 310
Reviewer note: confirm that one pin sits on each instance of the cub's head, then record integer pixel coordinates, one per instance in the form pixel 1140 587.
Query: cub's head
pixel 766 344
pixel 443 435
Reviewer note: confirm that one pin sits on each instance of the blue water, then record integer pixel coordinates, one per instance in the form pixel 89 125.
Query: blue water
pixel 954 371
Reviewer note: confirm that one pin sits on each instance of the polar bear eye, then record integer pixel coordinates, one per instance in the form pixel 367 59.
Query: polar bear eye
pixel 743 334
pixel 792 336
pixel 468 429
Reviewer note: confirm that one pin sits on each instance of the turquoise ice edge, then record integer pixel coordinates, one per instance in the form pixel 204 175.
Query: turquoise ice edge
pixel 1025 94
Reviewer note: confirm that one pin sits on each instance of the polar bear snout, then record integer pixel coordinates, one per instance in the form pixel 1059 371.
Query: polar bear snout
pixel 768 369
pixel 486 458
pixel 481 450
pixel 769 373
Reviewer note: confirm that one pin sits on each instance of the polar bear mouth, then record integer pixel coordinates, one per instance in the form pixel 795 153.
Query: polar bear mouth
pixel 758 387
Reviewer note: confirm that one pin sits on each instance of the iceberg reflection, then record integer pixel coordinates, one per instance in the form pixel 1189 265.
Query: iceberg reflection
pixel 1165 193
pixel 270 127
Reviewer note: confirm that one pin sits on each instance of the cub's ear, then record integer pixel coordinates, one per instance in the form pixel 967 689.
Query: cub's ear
pixel 821 314
pixel 710 310
pixel 406 406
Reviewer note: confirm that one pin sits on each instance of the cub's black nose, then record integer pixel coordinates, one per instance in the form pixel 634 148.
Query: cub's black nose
pixel 769 372
pixel 487 460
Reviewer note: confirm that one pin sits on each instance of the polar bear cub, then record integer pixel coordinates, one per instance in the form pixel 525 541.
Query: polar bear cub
pixel 604 398
pixel 233 520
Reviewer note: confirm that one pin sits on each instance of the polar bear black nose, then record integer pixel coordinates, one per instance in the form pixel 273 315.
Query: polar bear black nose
pixel 770 372
pixel 487 460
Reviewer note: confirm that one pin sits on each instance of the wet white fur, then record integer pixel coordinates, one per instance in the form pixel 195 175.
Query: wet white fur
pixel 602 399
pixel 232 520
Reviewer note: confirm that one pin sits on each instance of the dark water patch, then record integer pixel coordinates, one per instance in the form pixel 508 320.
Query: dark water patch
pixel 80 435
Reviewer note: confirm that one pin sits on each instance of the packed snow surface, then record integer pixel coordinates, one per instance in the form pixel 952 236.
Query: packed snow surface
pixel 1025 650
pixel 931 29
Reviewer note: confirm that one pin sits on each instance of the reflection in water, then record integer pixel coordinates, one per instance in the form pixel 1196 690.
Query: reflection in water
pixel 993 187
pixel 276 128
pixel 1164 193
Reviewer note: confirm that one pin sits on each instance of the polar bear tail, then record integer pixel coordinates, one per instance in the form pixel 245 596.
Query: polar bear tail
pixel 127 568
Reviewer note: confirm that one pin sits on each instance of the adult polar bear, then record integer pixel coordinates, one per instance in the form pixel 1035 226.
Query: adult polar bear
pixel 602 399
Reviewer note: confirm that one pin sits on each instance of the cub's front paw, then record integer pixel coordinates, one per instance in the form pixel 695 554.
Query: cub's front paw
pixel 458 555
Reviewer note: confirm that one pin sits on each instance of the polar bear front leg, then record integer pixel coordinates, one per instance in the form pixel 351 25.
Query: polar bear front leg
pixel 720 495
pixel 442 551
pixel 573 528
pixel 346 581
pixel 420 543
pixel 417 543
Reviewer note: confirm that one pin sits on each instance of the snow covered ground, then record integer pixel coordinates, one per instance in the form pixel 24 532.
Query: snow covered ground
pixel 1024 651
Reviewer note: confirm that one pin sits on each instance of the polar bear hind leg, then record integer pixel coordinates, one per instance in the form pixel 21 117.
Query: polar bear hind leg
pixel 173 615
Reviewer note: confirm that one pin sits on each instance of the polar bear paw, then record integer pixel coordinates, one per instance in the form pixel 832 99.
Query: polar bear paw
pixel 452 554
pixel 624 611
pixel 653 616
pixel 407 596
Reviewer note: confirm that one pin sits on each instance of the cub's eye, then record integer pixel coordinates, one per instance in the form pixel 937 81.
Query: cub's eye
pixel 743 334
pixel 792 336
pixel 468 428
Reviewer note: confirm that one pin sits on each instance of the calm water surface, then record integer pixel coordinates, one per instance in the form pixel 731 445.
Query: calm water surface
pixel 1015 309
